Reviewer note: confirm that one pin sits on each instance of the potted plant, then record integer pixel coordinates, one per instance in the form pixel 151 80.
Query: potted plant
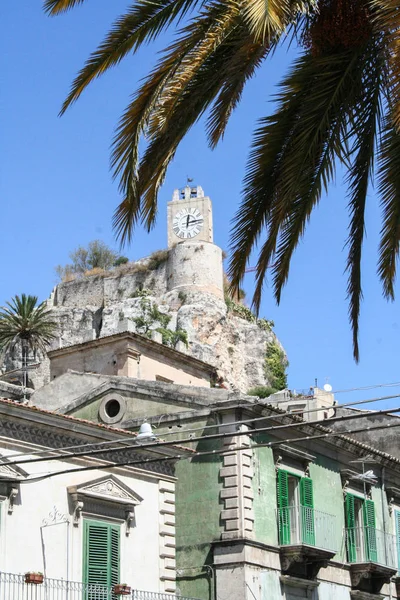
pixel 34 577
pixel 122 589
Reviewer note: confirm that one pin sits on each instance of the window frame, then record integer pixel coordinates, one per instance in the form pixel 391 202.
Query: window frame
pixel 111 578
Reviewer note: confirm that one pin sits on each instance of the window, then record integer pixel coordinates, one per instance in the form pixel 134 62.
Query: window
pixel 361 529
pixel 295 509
pixel 101 556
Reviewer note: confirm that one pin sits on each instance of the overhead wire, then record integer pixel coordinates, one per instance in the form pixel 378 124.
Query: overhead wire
pixel 127 442
pixel 189 440
pixel 197 454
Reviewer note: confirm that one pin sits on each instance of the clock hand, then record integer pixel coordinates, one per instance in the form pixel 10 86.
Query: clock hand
pixel 196 221
pixel 187 221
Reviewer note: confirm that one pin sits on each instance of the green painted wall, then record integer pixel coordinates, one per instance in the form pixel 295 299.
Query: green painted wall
pixel 328 497
pixel 90 412
pixel 264 489
pixel 198 523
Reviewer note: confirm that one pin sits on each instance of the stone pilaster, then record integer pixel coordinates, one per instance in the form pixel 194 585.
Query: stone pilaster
pixel 167 536
pixel 237 493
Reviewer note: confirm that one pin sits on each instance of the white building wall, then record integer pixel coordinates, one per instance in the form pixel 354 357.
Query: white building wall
pixel 24 548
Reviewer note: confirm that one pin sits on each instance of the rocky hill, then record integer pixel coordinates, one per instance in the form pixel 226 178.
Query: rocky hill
pixel 135 296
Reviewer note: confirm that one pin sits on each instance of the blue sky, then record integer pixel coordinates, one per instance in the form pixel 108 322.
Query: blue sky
pixel 57 193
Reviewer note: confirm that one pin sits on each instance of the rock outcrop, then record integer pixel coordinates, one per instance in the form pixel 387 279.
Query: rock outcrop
pixel 97 306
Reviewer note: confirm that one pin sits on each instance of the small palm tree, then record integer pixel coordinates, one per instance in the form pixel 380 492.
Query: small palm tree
pixel 24 323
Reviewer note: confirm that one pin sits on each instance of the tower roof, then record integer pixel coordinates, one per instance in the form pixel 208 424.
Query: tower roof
pixel 188 192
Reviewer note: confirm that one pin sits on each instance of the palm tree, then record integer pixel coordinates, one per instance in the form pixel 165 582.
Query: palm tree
pixel 24 323
pixel 340 103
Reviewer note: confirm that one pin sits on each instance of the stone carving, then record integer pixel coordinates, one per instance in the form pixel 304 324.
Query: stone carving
pixel 78 508
pixel 107 488
pixel 55 517
pixel 12 494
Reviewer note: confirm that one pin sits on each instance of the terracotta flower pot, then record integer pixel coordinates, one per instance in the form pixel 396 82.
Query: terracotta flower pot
pixel 35 578
pixel 122 590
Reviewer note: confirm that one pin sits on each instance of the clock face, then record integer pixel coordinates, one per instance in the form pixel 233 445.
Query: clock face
pixel 187 223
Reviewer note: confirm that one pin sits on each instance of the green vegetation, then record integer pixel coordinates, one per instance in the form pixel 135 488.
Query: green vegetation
pixel 182 297
pixel 157 259
pixel 152 319
pixel 99 260
pixel 121 260
pixel 262 391
pixel 275 366
pixel 27 324
pixel 171 338
pixel 141 293
pixel 93 260
pixel 242 311
pixel 265 324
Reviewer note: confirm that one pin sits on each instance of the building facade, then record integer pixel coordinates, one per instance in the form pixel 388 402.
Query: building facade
pixel 85 523
pixel 271 506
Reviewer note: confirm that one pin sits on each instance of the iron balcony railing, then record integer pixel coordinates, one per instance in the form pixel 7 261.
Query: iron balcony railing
pixel 302 525
pixel 14 587
pixel 367 544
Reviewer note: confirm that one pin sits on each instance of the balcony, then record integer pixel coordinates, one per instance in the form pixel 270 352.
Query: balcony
pixel 372 555
pixel 307 540
pixel 13 587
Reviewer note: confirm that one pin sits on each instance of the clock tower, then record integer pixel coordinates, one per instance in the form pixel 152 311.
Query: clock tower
pixel 189 216
pixel 194 261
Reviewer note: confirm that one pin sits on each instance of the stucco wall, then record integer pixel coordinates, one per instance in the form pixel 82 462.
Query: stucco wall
pixel 129 358
pixel 264 503
pixel 20 532
pixel 198 522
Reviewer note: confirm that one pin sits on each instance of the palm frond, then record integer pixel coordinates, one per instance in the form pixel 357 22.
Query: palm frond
pixel 364 131
pixel 267 18
pixel 193 100
pixel 248 56
pixel 143 22
pixel 22 319
pixel 387 20
pixel 389 189
pixel 55 7
pixel 286 156
pixel 174 81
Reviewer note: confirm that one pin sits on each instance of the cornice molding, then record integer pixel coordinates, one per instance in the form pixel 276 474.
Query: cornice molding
pixel 53 439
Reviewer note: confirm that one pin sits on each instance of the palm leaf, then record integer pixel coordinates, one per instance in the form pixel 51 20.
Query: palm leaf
pixel 143 22
pixel 387 20
pixel 366 122
pixel 389 188
pixel 54 7
pixel 180 72
pixel 22 319
pixel 248 56
pixel 286 151
pixel 193 100
pixel 266 16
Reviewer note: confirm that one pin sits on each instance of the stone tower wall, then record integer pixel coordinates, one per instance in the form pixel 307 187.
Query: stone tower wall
pixel 196 266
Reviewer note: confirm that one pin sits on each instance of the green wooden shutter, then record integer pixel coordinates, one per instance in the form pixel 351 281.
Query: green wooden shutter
pixel 351 528
pixel 283 507
pixel 371 549
pixel 307 511
pixel 101 557
pixel 115 558
pixel 397 521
